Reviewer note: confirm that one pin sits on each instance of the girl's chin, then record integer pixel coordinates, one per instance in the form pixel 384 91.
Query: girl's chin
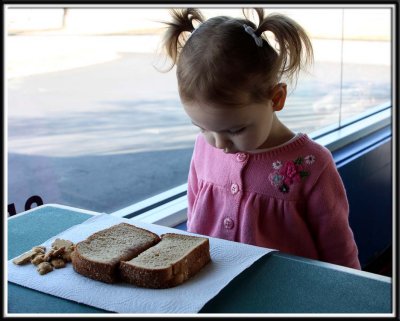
pixel 235 151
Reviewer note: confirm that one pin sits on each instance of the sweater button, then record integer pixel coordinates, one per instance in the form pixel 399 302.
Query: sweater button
pixel 241 157
pixel 234 188
pixel 228 223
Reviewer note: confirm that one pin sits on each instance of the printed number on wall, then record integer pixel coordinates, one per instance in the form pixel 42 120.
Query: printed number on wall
pixel 28 204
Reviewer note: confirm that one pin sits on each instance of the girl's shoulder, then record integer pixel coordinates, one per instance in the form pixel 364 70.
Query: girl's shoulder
pixel 302 146
pixel 316 148
pixel 294 169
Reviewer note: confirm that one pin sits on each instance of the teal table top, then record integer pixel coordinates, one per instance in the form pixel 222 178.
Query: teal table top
pixel 276 283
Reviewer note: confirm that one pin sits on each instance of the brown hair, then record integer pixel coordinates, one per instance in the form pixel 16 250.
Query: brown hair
pixel 220 61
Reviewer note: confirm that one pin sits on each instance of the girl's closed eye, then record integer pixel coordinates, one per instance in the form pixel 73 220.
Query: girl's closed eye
pixel 237 131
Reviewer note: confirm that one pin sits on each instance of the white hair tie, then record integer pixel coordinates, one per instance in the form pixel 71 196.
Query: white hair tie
pixel 251 32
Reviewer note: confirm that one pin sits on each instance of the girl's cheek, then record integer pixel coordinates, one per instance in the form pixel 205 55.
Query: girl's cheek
pixel 245 143
pixel 209 138
pixel 239 144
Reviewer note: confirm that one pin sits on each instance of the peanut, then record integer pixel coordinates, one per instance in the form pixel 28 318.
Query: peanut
pixel 57 257
pixel 53 253
pixel 39 249
pixel 24 258
pixel 58 263
pixel 59 243
pixel 38 259
pixel 44 268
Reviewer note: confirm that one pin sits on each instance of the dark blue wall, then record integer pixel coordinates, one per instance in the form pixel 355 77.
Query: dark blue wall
pixel 366 169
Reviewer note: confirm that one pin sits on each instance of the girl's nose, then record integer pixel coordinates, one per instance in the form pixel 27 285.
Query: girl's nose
pixel 221 142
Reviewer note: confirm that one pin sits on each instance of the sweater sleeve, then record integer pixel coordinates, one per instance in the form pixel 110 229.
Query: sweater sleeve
pixel 328 216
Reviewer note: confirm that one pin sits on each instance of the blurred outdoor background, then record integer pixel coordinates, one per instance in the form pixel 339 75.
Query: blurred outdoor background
pixel 91 122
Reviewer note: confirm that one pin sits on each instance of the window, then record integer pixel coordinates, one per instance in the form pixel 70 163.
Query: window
pixel 92 124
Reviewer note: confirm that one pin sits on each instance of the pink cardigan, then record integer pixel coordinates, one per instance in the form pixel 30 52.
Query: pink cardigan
pixel 290 198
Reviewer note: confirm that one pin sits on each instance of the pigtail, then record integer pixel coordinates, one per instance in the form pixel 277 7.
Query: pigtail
pixel 182 20
pixel 295 49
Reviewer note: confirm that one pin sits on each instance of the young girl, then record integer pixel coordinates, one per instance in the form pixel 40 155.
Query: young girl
pixel 252 179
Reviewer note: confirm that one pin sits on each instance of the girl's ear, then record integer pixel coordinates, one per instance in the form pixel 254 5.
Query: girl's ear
pixel 279 93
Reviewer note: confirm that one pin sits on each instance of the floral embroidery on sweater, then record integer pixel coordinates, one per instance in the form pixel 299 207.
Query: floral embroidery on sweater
pixel 290 172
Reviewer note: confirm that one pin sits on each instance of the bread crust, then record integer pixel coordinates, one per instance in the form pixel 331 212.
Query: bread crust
pixel 95 270
pixel 173 275
pixel 107 272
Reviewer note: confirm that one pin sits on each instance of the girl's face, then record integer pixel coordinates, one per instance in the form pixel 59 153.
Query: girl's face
pixel 234 129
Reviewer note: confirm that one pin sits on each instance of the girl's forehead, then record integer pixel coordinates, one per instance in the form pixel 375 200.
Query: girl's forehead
pixel 219 118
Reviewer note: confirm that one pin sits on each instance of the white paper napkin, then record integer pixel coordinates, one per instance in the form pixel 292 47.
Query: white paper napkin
pixel 228 260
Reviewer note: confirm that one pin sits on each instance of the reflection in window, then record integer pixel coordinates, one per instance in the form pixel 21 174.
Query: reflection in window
pixel 352 69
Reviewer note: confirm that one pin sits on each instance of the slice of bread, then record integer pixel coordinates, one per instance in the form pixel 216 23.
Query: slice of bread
pixel 98 257
pixel 170 262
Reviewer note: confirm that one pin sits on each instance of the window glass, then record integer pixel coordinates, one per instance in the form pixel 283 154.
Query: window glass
pixel 311 104
pixel 91 123
pixel 351 71
pixel 366 60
